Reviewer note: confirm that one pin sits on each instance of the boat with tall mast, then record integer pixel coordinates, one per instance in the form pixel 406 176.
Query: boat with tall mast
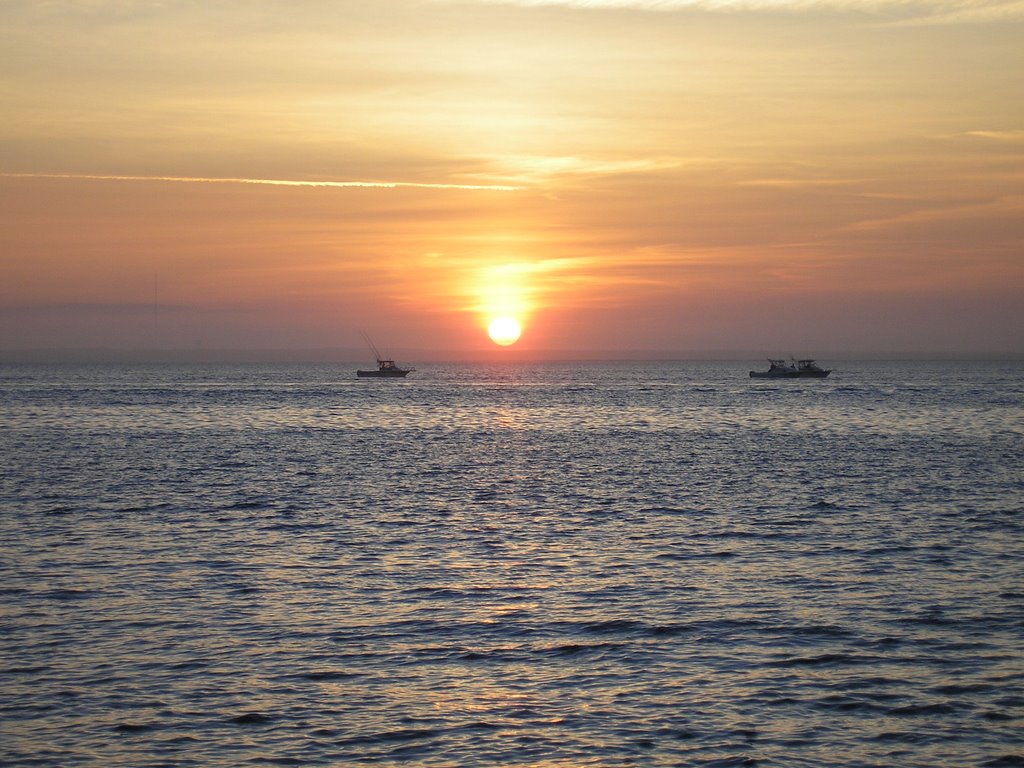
pixel 386 367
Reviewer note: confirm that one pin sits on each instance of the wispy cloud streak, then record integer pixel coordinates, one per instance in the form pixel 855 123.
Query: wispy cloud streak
pixel 1008 208
pixel 1016 136
pixel 938 11
pixel 267 182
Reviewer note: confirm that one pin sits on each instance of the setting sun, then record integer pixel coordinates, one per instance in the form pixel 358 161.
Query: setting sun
pixel 504 331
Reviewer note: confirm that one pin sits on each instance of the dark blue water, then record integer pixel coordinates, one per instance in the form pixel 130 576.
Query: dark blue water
pixel 557 565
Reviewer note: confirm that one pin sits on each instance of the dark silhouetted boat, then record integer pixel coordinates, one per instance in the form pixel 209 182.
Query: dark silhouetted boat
pixel 386 368
pixel 797 369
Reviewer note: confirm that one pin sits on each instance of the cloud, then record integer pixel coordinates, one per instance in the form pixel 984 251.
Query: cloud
pixel 781 183
pixel 531 170
pixel 1015 136
pixel 967 12
pixel 78 308
pixel 1010 207
pixel 269 182
pixel 914 11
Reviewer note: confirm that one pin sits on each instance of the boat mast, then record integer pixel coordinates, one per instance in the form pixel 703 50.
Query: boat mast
pixel 371 345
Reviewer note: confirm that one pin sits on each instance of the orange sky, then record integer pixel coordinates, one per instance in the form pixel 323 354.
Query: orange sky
pixel 782 176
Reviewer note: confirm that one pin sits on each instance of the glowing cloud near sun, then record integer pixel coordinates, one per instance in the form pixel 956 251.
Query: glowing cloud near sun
pixel 503 302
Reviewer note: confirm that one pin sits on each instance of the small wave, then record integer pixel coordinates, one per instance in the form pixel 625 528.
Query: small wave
pixel 69 594
pixel 810 630
pixel 1011 701
pixel 133 727
pixel 669 630
pixel 144 507
pixel 795 522
pixel 196 664
pixel 577 649
pixel 241 505
pixel 820 660
pixel 732 762
pixel 60 510
pixel 929 618
pixel 23 670
pixel 875 681
pixel 251 718
pixel 696 555
pixel 389 737
pixel 328 674
pixel 682 734
pixel 296 527
pixel 887 642
pixel 915 710
pixel 902 737
pixel 997 717
pixel 1004 761
pixel 612 626
pixel 959 690
pixel 847 704
pixel 896 549
pixel 482 725
pixel 437 593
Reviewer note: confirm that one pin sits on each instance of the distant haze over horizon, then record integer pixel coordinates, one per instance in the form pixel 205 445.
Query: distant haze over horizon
pixel 477 356
pixel 625 175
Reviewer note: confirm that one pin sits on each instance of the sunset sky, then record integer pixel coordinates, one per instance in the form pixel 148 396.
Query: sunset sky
pixel 779 176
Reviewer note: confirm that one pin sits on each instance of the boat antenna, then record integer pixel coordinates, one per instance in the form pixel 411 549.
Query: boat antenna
pixel 371 345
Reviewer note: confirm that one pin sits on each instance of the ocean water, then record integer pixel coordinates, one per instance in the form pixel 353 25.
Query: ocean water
pixel 551 565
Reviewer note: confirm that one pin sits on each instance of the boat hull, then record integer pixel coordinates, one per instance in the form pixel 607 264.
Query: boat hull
pixel 789 374
pixel 395 373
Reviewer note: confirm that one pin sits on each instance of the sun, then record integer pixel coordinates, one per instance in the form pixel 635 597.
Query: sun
pixel 504 330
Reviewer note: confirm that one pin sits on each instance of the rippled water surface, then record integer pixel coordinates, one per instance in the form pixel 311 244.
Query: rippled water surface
pixel 553 565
